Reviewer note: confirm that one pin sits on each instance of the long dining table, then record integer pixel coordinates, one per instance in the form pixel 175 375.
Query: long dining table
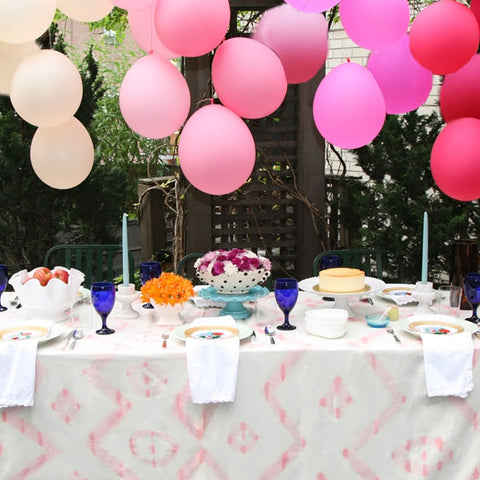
pixel 306 407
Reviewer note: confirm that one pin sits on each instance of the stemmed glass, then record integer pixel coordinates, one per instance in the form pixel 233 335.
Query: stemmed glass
pixel 3 284
pixel 286 294
pixel 103 299
pixel 471 287
pixel 149 270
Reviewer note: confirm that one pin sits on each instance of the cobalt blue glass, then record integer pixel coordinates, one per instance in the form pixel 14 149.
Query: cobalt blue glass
pixel 149 270
pixel 286 294
pixel 471 288
pixel 3 284
pixel 103 300
pixel 330 261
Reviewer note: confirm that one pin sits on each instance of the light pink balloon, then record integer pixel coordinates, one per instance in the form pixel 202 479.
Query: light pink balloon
pixel 373 24
pixel 299 39
pixel 348 107
pixel 192 27
pixel 248 77
pixel 216 150
pixel 142 26
pixel 444 36
pixel 154 97
pixel 312 6
pixel 133 4
pixel 455 159
pixel 405 84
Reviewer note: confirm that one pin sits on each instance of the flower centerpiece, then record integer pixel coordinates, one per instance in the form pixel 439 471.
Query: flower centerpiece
pixel 233 271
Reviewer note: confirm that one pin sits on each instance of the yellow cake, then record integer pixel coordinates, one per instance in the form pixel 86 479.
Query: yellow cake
pixel 341 280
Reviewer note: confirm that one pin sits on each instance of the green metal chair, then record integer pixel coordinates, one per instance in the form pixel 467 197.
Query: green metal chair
pixel 185 267
pixel 97 262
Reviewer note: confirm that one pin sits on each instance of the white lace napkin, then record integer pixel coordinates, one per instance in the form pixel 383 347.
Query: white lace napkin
pixel 448 364
pixel 17 373
pixel 212 364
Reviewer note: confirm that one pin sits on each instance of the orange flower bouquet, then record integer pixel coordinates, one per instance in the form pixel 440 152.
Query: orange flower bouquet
pixel 167 289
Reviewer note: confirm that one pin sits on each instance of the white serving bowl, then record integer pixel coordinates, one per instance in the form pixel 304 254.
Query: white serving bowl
pixel 239 282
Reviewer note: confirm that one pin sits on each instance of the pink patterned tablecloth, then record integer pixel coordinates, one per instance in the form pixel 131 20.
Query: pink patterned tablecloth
pixel 307 408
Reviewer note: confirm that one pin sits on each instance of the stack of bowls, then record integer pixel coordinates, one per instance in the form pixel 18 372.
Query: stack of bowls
pixel 326 322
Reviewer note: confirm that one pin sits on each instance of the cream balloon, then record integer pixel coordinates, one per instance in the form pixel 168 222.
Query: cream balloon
pixel 25 20
pixel 10 56
pixel 62 156
pixel 46 88
pixel 85 10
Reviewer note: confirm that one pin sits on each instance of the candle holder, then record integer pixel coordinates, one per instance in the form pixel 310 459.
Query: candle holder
pixel 424 295
pixel 126 295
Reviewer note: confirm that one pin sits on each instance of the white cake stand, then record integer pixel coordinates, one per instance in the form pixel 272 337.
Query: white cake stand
pixel 372 285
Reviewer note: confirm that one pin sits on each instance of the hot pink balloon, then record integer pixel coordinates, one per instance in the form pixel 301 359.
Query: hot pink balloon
pixel 405 84
pixel 133 4
pixel 444 36
pixel 312 6
pixel 192 27
pixel 455 159
pixel 299 39
pixel 216 150
pixel 154 97
pixel 373 24
pixel 142 26
pixel 248 77
pixel 460 92
pixel 475 8
pixel 348 107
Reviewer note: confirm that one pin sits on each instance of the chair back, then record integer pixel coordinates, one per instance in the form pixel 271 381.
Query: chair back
pixel 186 269
pixel 97 262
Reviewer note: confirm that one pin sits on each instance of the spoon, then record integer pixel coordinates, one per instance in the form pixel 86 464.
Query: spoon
pixel 77 335
pixel 270 331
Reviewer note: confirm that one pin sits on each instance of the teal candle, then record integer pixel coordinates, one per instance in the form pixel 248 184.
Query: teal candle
pixel 425 248
pixel 126 274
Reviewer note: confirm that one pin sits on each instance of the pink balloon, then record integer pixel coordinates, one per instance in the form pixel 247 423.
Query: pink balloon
pixel 455 159
pixel 348 107
pixel 444 36
pixel 374 24
pixel 312 6
pixel 154 97
pixel 248 77
pixel 133 4
pixel 142 26
pixel 460 92
pixel 216 150
pixel 475 8
pixel 192 27
pixel 405 84
pixel 299 39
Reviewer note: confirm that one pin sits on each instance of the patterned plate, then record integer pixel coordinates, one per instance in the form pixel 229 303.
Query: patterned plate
pixel 42 331
pixel 437 325
pixel 202 331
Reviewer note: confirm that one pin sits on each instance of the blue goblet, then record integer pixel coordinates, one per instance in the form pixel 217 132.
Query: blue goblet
pixel 471 288
pixel 103 299
pixel 149 270
pixel 286 294
pixel 331 261
pixel 3 284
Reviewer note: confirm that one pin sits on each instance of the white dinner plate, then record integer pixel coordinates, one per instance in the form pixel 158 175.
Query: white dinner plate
pixel 437 325
pixel 26 330
pixel 244 331
pixel 371 285
pixel 400 293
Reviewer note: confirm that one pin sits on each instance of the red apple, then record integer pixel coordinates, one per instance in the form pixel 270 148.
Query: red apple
pixel 60 274
pixel 43 275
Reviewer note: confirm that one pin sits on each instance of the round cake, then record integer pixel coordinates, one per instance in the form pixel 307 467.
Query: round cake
pixel 341 280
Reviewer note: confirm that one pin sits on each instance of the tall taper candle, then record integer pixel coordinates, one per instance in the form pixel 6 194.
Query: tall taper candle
pixel 126 275
pixel 425 248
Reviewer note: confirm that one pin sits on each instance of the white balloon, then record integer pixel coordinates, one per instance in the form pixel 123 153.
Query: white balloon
pixel 10 56
pixel 46 88
pixel 62 156
pixel 25 20
pixel 85 10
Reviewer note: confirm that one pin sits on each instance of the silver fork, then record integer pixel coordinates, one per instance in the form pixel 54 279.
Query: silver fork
pixel 391 332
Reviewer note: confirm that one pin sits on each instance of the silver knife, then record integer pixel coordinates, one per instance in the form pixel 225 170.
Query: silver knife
pixel 67 338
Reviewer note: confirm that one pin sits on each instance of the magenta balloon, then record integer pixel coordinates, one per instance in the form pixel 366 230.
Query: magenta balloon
pixel 154 97
pixel 216 150
pixel 460 92
pixel 248 77
pixel 348 107
pixel 455 159
pixel 374 24
pixel 133 4
pixel 405 84
pixel 444 36
pixel 142 26
pixel 312 6
pixel 475 8
pixel 192 27
pixel 299 39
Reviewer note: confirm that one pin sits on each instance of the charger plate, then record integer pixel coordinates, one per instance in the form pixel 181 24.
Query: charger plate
pixel 181 333
pixel 437 325
pixel 27 330
pixel 400 293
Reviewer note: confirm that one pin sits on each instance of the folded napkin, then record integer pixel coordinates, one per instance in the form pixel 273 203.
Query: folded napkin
pixel 212 364
pixel 448 364
pixel 201 302
pixel 17 372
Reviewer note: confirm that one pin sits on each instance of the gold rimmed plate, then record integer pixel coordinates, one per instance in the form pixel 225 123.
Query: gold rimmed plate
pixel 371 285
pixel 209 331
pixel 437 325
pixel 366 288
pixel 40 330
pixel 398 292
